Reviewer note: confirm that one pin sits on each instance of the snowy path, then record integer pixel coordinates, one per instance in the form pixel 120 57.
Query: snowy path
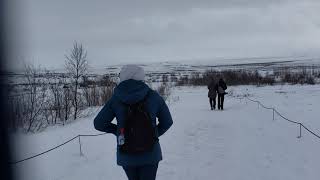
pixel 241 142
pixel 204 137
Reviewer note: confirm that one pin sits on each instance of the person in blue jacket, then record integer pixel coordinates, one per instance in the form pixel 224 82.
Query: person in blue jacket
pixel 132 89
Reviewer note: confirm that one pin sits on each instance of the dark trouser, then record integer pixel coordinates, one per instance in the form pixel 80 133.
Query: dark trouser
pixel 146 172
pixel 220 101
pixel 212 102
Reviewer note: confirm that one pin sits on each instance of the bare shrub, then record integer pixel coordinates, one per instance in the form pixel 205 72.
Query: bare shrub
pixel 184 80
pixel 55 105
pixel 66 103
pixel 91 94
pixel 232 77
pixel 310 80
pixel 297 77
pixel 105 93
pixel 173 77
pixel 33 99
pixel 164 90
pixel 97 92
pixel 16 106
pixel 165 78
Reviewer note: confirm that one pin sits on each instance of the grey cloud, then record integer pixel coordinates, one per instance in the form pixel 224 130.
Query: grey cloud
pixel 157 30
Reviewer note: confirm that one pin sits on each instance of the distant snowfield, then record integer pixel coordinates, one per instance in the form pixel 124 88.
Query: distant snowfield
pixel 202 65
pixel 242 142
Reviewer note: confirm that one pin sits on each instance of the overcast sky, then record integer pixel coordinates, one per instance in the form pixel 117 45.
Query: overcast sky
pixel 131 31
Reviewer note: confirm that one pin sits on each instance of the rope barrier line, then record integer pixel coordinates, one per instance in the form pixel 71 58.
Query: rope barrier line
pixel 56 147
pixel 265 106
pixel 45 151
pixel 295 122
pixel 286 118
pixel 310 131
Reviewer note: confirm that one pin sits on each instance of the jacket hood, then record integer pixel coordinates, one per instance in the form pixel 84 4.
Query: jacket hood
pixel 131 91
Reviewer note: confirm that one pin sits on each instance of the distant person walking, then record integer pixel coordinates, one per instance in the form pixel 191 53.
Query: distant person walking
pixel 221 92
pixel 212 93
pixel 135 107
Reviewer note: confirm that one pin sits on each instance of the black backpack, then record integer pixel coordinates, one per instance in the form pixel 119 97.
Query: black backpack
pixel 139 133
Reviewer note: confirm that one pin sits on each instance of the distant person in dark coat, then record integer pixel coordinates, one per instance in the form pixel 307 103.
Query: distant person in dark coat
pixel 212 93
pixel 131 90
pixel 221 92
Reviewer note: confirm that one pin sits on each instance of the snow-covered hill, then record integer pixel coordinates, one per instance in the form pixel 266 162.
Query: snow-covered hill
pixel 242 142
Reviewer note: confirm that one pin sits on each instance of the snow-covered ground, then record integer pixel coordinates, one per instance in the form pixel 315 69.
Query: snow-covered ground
pixel 242 142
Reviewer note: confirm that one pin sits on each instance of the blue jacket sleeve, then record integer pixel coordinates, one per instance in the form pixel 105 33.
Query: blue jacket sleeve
pixel 164 118
pixel 102 122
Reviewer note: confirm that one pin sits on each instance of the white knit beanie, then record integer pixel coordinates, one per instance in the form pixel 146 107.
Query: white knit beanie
pixel 132 71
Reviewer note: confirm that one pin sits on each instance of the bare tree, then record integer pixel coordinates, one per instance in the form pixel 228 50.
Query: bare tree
pixel 76 66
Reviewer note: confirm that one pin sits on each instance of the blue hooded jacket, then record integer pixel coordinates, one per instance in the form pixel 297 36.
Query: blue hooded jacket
pixel 131 91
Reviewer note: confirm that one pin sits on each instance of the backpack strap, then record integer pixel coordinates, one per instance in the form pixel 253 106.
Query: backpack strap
pixel 140 103
pixel 146 96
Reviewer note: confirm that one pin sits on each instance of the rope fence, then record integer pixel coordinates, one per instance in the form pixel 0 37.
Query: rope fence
pixel 93 135
pixel 62 144
pixel 274 111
